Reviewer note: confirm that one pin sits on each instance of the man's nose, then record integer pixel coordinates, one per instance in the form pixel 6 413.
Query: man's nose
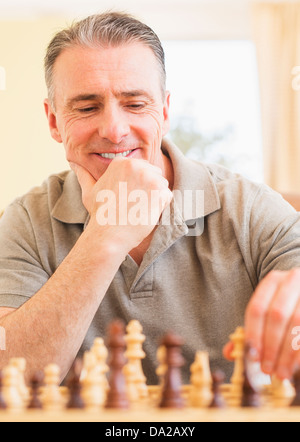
pixel 113 125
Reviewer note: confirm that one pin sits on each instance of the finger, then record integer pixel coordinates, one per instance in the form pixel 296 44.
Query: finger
pixel 227 351
pixel 141 163
pixel 258 308
pixel 290 352
pixel 281 310
pixel 166 197
pixel 87 183
pixel 86 180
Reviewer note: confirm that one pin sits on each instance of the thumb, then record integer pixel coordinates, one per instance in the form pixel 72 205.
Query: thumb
pixel 87 183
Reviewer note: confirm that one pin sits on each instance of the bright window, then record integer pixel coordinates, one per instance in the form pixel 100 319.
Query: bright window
pixel 215 108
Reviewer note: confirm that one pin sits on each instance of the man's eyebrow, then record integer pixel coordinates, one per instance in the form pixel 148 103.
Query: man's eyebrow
pixel 96 97
pixel 135 93
pixel 83 97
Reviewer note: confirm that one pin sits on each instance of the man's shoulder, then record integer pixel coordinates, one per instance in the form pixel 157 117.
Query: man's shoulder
pixel 50 189
pixel 233 185
pixel 59 197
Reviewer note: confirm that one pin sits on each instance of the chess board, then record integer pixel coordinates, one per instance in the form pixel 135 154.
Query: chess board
pixel 152 415
pixel 123 396
pixel 148 411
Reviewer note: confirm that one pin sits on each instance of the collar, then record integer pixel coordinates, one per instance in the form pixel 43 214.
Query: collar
pixel 188 176
pixel 69 207
pixel 191 176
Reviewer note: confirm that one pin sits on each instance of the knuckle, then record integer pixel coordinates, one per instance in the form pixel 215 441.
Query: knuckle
pixel 274 275
pixel 256 310
pixel 295 273
pixel 277 315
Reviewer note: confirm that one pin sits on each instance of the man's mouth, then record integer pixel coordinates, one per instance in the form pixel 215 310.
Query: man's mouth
pixel 111 156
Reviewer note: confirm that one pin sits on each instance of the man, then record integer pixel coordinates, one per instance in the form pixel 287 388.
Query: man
pixel 65 274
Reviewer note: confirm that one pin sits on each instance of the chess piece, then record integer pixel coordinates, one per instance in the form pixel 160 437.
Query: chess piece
pixel 296 381
pixel 282 391
pixel 75 400
pixel 218 400
pixel 171 394
pixel 162 367
pixel 20 364
pixel 36 382
pixel 201 381
pixel 52 398
pixel 93 387
pixel 135 378
pixel 101 354
pixel 250 398
pixel 117 395
pixel 237 380
pixel 11 392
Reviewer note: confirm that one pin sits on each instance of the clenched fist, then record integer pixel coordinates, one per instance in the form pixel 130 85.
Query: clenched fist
pixel 127 201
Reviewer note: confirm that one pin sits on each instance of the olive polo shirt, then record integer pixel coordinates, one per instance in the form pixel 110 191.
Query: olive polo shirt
pixel 194 282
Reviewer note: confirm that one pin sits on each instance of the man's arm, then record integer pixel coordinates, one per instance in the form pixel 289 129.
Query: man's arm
pixel 4 311
pixel 51 326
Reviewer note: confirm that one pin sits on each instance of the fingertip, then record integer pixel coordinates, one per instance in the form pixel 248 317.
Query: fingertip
pixel 228 350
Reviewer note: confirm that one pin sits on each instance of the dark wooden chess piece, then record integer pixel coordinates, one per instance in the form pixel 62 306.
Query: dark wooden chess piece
pixel 36 383
pixel 75 400
pixel 171 395
pixel 218 399
pixel 116 344
pixel 296 382
pixel 250 397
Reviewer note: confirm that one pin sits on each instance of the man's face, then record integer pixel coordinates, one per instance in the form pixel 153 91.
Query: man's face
pixel 108 101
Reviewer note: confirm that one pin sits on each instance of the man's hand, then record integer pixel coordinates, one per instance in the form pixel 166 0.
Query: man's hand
pixel 272 315
pixel 141 178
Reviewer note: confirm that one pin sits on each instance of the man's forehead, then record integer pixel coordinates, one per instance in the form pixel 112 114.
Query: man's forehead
pixel 83 74
pixel 111 57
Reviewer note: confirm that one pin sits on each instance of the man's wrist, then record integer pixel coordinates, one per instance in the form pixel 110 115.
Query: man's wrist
pixel 99 242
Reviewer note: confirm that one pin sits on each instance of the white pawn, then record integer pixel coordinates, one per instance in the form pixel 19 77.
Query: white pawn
pixel 282 391
pixel 20 365
pixel 201 381
pixel 135 378
pixel 52 398
pixel 101 353
pixel 93 387
pixel 162 367
pixel 11 394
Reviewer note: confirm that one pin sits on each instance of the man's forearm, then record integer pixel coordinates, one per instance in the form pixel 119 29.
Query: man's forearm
pixel 52 325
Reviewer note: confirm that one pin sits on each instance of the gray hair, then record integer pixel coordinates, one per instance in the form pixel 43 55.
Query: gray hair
pixel 109 29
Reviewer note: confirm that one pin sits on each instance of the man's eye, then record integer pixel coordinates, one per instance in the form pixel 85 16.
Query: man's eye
pixel 87 110
pixel 136 106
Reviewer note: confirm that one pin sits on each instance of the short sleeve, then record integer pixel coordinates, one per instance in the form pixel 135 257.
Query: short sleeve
pixel 274 233
pixel 21 272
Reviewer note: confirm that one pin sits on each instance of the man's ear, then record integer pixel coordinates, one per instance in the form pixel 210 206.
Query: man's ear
pixel 166 125
pixel 51 117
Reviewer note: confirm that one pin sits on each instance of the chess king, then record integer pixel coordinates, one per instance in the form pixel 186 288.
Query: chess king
pixel 64 277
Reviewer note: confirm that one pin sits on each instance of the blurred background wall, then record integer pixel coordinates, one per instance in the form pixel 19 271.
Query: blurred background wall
pixel 219 29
